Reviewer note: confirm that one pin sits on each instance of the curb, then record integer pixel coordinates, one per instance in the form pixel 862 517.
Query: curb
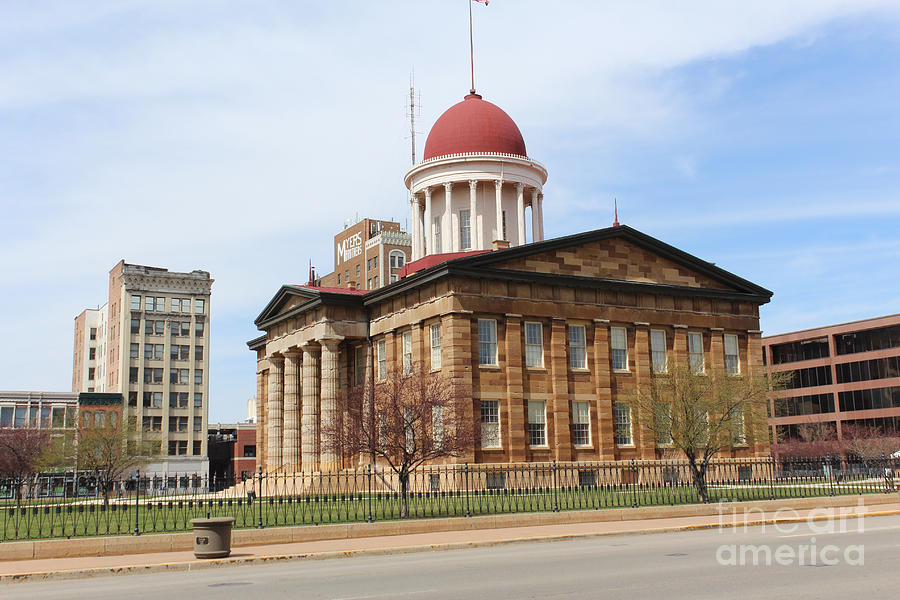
pixel 197 565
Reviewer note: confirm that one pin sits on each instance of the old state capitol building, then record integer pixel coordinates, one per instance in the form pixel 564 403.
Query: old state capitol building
pixel 551 336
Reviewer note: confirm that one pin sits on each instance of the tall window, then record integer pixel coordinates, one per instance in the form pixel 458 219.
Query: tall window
pixel 198 375
pixel 359 365
pixel 176 305
pixel 581 423
pixel 577 347
pixel 437 425
pixel 382 361
pixel 490 423
pixel 135 303
pixel 357 270
pixel 695 352
pixel 198 329
pixel 407 352
pixel 134 351
pixel 199 305
pixel 465 230
pixel 622 413
pixel 619 344
pixel 738 434
pixel 659 360
pixel 487 342
pixel 662 419
pixel 537 423
pixel 732 360
pixel 135 326
pixel 436 346
pixel 437 235
pixel 534 345
pixel 504 226
pixel 93 333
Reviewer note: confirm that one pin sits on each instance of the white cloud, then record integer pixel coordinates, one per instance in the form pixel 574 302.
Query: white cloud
pixel 227 137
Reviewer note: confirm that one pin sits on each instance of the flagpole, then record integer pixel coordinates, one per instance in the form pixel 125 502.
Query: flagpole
pixel 471 49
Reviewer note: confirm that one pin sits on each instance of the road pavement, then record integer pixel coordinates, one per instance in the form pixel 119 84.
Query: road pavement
pixel 832 559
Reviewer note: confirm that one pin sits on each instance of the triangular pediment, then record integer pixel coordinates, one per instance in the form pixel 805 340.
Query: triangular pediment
pixel 616 254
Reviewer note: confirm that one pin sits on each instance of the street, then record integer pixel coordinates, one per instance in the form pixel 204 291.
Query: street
pixel 670 566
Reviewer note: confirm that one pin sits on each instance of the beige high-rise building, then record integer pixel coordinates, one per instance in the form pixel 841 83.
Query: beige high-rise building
pixel 150 342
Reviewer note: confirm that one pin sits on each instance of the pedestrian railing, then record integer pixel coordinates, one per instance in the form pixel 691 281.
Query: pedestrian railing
pixel 63 505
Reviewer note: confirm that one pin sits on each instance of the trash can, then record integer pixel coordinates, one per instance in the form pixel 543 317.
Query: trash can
pixel 212 537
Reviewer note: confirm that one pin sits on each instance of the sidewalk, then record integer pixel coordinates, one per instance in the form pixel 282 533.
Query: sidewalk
pixel 93 566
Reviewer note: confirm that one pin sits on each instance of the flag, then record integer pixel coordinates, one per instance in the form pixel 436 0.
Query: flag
pixel 485 2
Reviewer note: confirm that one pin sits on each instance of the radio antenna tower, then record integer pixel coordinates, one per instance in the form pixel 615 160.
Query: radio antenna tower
pixel 414 104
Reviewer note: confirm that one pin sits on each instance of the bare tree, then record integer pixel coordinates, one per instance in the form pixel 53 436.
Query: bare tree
pixel 814 439
pixel 869 443
pixel 702 414
pixel 110 449
pixel 409 419
pixel 21 455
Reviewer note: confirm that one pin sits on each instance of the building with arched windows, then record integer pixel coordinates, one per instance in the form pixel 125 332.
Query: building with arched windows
pixel 550 335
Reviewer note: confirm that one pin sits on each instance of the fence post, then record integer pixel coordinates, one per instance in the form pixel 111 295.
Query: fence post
pixel 771 477
pixel 259 523
pixel 830 468
pixel 555 487
pixel 137 501
pixel 369 495
pixel 634 503
pixel 468 512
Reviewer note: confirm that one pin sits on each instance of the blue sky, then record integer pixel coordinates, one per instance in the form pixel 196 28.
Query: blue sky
pixel 237 137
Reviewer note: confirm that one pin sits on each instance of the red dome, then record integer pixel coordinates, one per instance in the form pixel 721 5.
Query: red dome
pixel 474 125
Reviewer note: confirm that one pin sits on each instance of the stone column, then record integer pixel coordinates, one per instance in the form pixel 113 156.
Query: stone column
pixel 261 417
pixel 448 213
pixel 645 440
pixel 414 226
pixel 520 212
pixel 498 185
pixel 366 457
pixel 276 402
pixel 429 225
pixel 559 373
pixel 458 360
pixel 291 448
pixel 330 455
pixel 535 217
pixel 605 420
pixel 309 431
pixel 516 405
pixel 477 239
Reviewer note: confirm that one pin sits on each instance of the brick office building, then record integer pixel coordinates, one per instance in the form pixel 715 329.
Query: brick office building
pixel 847 374
pixel 368 255
pixel 550 336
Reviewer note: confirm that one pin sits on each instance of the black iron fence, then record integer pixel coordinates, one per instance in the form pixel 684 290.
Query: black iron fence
pixel 60 506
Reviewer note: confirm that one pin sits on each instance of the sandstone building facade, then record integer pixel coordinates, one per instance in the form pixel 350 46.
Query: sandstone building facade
pixel 550 336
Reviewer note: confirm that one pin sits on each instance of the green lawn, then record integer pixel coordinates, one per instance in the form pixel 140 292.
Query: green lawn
pixel 58 518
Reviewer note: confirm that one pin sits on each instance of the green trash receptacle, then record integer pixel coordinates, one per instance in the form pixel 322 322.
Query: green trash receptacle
pixel 212 537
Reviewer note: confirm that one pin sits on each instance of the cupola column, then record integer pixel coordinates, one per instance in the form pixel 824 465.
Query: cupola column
pixel 477 238
pixel 499 187
pixel 520 212
pixel 448 212
pixel 429 225
pixel 541 215
pixel 414 225
pixel 535 217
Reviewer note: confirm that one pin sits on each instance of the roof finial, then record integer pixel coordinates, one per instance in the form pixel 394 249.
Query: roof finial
pixel 616 208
